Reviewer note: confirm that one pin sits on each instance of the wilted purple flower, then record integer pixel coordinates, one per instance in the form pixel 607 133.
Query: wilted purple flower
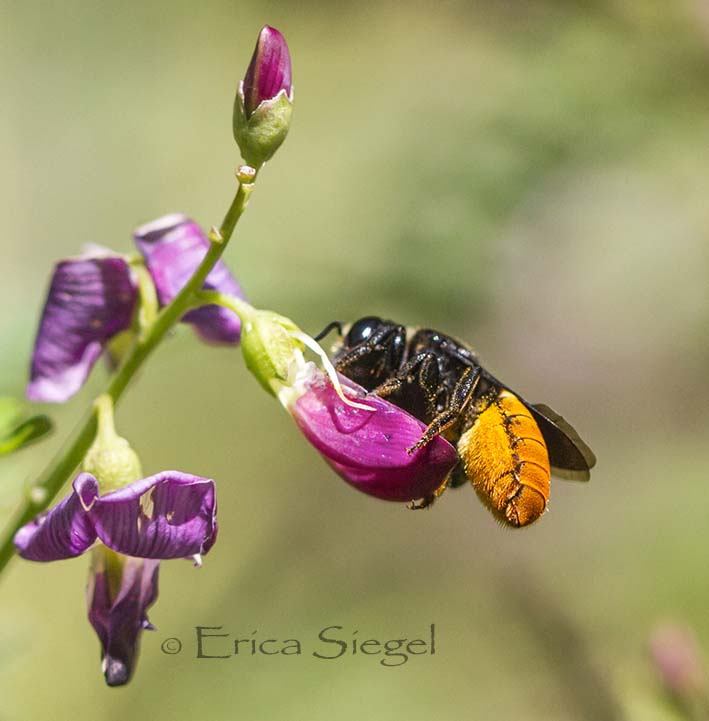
pixel 173 246
pixel 369 448
pixel 119 617
pixel 269 71
pixel 90 300
pixel 169 515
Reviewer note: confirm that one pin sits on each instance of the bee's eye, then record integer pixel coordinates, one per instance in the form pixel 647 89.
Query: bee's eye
pixel 361 330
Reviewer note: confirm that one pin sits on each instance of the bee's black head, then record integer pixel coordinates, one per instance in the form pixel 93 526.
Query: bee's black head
pixel 370 351
pixel 363 329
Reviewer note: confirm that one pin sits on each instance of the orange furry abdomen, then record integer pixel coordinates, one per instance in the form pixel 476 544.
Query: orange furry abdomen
pixel 506 460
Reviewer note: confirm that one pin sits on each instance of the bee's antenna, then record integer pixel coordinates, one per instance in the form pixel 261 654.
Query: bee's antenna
pixel 328 328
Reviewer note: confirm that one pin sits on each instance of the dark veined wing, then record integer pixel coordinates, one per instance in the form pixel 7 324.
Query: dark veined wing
pixel 570 458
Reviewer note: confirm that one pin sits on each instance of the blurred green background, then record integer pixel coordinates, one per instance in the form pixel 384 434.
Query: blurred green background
pixel 530 176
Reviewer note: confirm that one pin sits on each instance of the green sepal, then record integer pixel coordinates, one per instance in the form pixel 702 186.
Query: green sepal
pixel 114 464
pixel 110 459
pixel 260 136
pixel 268 347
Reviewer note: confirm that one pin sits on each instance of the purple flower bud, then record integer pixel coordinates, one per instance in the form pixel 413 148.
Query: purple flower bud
pixel 269 71
pixel 173 246
pixel 264 100
pixel 119 593
pixel 678 659
pixel 369 449
pixel 90 300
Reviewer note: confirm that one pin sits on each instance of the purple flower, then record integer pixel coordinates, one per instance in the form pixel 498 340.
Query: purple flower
pixel 365 438
pixel 90 300
pixel 119 617
pixel 369 448
pixel 269 71
pixel 173 246
pixel 169 515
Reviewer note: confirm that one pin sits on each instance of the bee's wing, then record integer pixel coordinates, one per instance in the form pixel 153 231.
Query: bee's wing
pixel 569 456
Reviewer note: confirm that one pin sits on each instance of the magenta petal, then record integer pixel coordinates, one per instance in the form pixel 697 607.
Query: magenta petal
pixel 119 616
pixel 369 449
pixel 90 300
pixel 173 246
pixel 269 71
pixel 63 532
pixel 169 515
pixel 400 485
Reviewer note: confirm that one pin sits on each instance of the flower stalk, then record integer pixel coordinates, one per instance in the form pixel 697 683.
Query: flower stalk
pixel 42 492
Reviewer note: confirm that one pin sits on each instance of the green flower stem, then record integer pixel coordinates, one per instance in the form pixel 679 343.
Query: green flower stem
pixel 42 492
pixel 244 310
pixel 105 425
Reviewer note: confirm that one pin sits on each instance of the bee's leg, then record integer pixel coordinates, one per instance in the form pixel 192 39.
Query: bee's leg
pixel 388 343
pixel 422 370
pixel 458 477
pixel 428 501
pixel 462 393
pixel 421 503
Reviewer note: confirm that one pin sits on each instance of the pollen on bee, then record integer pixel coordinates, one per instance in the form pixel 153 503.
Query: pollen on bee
pixel 525 507
pixel 506 460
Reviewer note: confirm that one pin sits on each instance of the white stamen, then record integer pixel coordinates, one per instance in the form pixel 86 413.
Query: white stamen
pixel 314 346
pixel 299 373
pixel 197 559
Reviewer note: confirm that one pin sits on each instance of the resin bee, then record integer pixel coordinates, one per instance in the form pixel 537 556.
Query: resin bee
pixel 508 448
